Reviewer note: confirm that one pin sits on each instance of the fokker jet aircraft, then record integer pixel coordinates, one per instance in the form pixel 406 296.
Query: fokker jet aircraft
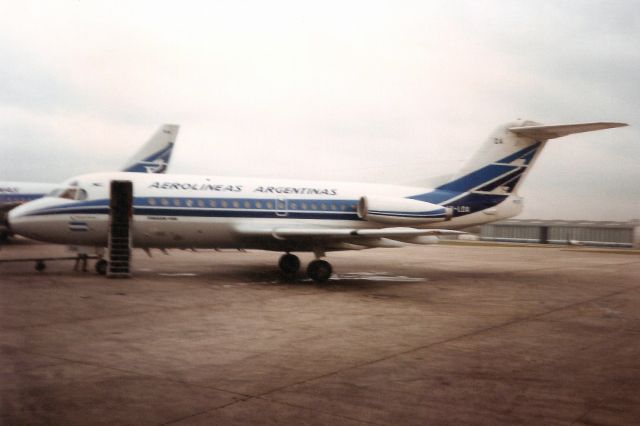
pixel 152 157
pixel 289 216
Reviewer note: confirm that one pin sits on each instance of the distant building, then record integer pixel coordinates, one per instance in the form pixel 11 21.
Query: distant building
pixel 580 232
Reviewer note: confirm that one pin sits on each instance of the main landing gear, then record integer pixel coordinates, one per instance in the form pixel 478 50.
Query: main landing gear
pixel 318 270
pixel 289 263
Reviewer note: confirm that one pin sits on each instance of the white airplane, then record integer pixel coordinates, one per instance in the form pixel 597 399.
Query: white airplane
pixel 152 157
pixel 187 211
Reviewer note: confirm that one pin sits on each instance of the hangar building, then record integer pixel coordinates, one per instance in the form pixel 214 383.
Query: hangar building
pixel 590 233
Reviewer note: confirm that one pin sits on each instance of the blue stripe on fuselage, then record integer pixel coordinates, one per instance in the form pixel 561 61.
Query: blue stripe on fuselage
pixel 334 209
pixel 204 212
pixel 144 206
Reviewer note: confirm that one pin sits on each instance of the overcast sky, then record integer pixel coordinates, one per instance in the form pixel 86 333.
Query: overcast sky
pixel 362 90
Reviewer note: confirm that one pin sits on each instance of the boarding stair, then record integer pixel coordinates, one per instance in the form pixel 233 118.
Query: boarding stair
pixel 120 237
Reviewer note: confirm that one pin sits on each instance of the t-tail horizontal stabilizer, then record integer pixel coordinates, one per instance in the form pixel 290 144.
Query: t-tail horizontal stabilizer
pixel 556 131
pixel 502 163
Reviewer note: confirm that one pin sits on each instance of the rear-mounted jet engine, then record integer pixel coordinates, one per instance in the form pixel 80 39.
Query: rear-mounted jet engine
pixel 401 211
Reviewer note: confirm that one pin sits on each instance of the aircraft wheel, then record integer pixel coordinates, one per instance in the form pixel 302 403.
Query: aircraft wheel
pixel 289 263
pixel 101 267
pixel 40 265
pixel 320 271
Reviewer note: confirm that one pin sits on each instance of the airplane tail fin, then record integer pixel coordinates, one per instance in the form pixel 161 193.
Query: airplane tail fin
pixel 154 156
pixel 502 163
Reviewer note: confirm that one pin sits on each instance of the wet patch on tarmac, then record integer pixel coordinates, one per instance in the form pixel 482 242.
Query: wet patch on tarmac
pixel 376 276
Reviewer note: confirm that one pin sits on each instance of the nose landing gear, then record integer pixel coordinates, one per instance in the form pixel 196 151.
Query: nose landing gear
pixel 40 265
pixel 101 266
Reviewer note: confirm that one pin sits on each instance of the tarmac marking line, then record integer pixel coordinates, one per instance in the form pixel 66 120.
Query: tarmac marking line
pixel 151 308
pixel 272 402
pixel 598 405
pixel 466 335
pixel 133 372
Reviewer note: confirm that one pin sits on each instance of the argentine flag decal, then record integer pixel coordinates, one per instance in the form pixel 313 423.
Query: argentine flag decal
pixel 78 226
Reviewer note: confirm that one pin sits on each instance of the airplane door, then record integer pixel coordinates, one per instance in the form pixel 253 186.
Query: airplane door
pixel 281 207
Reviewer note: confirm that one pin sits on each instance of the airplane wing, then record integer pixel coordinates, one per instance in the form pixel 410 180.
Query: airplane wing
pixel 391 233
pixel 352 237
pixel 556 131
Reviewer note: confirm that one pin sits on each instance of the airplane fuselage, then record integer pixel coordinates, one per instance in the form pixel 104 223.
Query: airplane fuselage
pixel 187 211
pixel 191 211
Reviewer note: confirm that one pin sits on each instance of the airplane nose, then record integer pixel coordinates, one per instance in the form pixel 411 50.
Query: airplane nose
pixel 23 222
pixel 16 219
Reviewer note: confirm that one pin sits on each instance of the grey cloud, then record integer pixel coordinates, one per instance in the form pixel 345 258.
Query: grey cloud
pixel 28 84
pixel 392 93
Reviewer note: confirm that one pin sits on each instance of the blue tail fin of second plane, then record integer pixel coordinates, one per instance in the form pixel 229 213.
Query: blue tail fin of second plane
pixel 154 156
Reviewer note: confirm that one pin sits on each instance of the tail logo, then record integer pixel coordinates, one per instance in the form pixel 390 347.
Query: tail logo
pixel 156 166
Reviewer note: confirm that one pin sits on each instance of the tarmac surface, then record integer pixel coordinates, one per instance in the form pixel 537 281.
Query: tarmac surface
pixel 437 335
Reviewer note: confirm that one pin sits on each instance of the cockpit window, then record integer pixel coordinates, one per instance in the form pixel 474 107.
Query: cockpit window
pixel 73 193
pixel 69 193
pixel 56 192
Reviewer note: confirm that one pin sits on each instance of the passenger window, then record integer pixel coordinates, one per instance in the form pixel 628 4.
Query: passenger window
pixel 314 206
pixel 176 202
pixel 200 203
pixel 164 202
pixel 293 205
pixel 236 204
pixel 258 205
pixel 212 203
pixel 334 207
pixel 304 206
pixel 323 206
pixel 152 201
pixel 189 203
pixel 247 205
pixel 269 205
pixel 224 204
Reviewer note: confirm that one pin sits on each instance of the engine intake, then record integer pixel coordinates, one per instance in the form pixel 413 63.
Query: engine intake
pixel 401 211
